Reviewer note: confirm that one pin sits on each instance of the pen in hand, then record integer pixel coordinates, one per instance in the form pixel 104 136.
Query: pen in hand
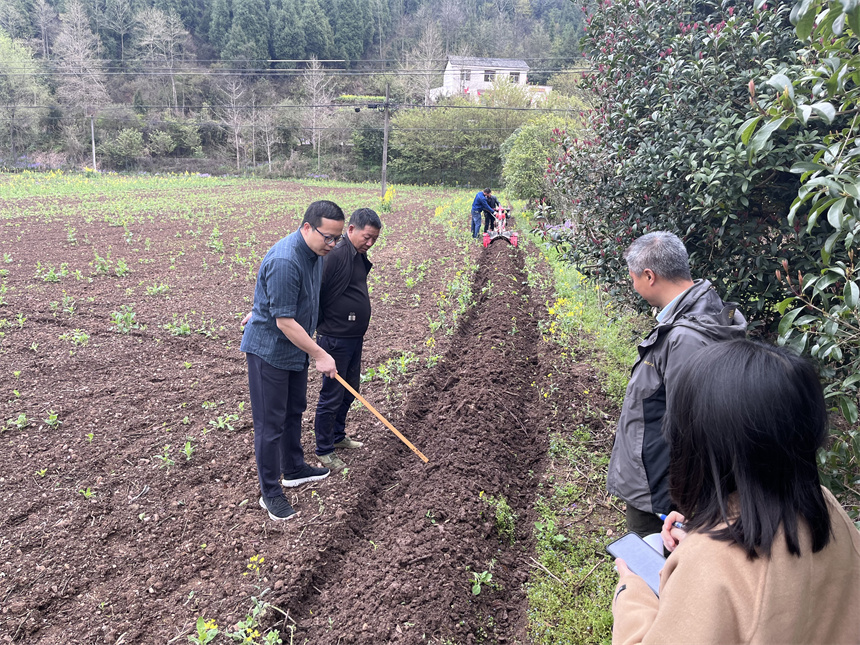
pixel 677 525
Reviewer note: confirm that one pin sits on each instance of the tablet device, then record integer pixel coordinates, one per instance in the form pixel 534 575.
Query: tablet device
pixel 642 560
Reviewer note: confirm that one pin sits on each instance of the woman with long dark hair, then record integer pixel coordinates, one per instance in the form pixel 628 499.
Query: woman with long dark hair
pixel 766 554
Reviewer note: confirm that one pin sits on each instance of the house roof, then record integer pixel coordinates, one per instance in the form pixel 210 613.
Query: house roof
pixel 488 63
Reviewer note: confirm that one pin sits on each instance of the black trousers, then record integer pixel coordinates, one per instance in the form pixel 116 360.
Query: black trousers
pixel 335 399
pixel 489 221
pixel 278 400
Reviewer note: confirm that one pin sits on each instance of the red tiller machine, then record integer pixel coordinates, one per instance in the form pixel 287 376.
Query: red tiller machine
pixel 502 219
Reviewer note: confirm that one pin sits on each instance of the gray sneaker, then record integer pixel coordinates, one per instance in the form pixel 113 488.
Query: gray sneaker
pixel 279 508
pixel 348 443
pixel 332 462
pixel 305 475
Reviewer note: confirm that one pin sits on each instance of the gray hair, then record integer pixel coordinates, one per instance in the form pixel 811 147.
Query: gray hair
pixel 662 252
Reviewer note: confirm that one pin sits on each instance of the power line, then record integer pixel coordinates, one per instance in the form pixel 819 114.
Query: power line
pixel 362 106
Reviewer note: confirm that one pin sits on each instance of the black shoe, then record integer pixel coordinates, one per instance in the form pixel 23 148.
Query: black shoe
pixel 305 475
pixel 278 507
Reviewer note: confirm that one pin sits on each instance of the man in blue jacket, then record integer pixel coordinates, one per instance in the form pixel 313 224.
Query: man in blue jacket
pixel 479 206
pixel 343 320
pixel 277 342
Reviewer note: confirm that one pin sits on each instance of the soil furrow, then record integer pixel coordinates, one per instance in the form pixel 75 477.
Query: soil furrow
pixel 404 573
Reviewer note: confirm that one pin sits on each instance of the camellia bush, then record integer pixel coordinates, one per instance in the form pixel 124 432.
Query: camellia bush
pixel 672 85
pixel 732 123
pixel 822 313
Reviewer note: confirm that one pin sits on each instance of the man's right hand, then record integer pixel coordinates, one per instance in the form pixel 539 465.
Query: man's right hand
pixel 326 365
pixel 246 318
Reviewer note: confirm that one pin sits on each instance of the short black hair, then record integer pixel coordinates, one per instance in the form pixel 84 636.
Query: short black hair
pixel 323 209
pixel 747 418
pixel 487 191
pixel 365 217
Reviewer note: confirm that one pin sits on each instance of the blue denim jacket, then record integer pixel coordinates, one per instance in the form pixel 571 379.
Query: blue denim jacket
pixel 288 286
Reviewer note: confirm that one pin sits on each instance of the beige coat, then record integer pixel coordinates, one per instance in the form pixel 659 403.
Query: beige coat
pixel 711 593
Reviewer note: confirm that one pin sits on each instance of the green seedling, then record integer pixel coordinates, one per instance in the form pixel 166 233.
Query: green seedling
pixel 188 449
pixel 208 405
pixel 187 365
pixel 157 289
pixel 482 578
pixel 122 268
pixel 124 320
pixel 77 337
pixel 101 264
pixel 164 457
pixel 90 437
pixel 42 472
pixel 87 492
pixel 20 422
pixel 53 420
pixel 179 327
pixel 225 422
pixel 21 320
pixel 68 305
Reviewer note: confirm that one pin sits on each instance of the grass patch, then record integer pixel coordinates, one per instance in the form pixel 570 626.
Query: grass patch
pixel 570 591
pixel 583 319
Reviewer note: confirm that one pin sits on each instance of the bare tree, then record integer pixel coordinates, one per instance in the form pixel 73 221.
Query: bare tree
pixel 46 20
pixel 119 19
pixel 14 21
pixel 315 83
pixel 162 37
pixel 450 18
pixel 82 80
pixel 232 114
pixel 266 117
pixel 423 64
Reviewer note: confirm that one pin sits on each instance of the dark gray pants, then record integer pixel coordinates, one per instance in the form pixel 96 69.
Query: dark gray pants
pixel 642 523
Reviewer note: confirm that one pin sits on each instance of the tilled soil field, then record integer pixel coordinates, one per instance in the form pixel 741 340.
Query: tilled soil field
pixel 110 533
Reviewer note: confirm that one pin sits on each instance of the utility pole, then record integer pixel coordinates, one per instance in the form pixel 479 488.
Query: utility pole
pixel 93 137
pixel 385 144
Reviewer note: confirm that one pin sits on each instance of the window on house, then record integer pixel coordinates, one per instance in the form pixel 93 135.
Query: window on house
pixel 515 77
pixel 464 76
pixel 489 75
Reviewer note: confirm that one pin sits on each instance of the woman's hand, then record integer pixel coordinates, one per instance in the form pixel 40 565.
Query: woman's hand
pixel 671 533
pixel 623 569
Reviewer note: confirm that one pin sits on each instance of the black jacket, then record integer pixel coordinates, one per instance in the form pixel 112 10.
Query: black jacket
pixel 337 273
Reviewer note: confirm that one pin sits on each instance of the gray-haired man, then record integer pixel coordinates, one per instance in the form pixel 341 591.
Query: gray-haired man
pixel 691 316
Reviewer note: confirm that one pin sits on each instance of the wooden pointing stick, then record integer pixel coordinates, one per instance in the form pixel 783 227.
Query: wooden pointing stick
pixel 380 417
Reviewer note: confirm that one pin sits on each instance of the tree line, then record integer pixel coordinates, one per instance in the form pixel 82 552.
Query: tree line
pixel 189 79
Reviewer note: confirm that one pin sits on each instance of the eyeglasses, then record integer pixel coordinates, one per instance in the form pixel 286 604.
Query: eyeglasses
pixel 328 239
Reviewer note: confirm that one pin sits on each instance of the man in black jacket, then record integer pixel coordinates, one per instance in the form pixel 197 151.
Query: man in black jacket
pixel 343 319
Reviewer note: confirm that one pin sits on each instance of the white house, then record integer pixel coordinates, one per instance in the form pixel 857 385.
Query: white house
pixel 470 77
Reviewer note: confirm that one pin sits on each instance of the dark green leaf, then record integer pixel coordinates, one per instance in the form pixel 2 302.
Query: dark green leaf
pixel 851 293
